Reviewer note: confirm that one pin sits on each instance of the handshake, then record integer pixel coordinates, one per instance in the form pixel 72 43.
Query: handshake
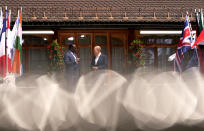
pixel 77 59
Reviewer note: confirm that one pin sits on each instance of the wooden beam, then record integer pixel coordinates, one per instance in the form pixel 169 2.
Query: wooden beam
pixel 125 39
pixel 131 35
pixel 76 42
pixel 92 44
pixel 158 45
pixel 109 49
pixel 34 46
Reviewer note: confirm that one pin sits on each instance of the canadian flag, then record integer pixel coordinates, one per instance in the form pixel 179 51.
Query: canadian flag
pixel 3 48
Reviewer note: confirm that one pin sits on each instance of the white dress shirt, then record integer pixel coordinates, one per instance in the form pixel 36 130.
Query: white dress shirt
pixel 97 57
pixel 74 57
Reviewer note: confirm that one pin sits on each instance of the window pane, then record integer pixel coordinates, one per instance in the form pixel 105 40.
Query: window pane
pixel 149 59
pixel 118 59
pixel 68 41
pixel 164 41
pixel 163 55
pixel 104 50
pixel 34 40
pixel 84 39
pixel 85 59
pixel 115 40
pixel 100 39
pixel 38 61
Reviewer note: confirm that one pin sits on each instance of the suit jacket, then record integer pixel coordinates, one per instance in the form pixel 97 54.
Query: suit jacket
pixel 102 62
pixel 72 68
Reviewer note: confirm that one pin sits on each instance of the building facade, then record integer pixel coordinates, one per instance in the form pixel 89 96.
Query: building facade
pixel 112 24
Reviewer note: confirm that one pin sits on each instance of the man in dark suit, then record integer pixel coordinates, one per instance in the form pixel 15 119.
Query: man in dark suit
pixel 99 61
pixel 72 67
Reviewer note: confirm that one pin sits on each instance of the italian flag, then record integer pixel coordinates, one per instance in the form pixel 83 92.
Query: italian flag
pixel 17 60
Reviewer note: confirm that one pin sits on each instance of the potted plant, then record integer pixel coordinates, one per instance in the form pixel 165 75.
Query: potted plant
pixel 136 54
pixel 56 56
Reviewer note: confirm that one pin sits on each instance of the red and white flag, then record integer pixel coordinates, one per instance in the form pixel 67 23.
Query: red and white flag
pixel 3 68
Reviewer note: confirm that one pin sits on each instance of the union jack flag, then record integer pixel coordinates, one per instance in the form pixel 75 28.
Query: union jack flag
pixel 184 45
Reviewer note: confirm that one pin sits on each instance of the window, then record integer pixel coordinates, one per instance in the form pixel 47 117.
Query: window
pixel 34 40
pixel 84 39
pixel 69 40
pixel 100 39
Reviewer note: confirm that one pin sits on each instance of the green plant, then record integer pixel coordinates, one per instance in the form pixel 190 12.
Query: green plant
pixel 136 54
pixel 56 57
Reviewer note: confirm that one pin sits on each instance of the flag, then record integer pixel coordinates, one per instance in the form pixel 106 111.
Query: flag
pixel 194 61
pixel 200 42
pixel 199 26
pixel 1 22
pixel 17 60
pixel 184 44
pixel 200 39
pixel 201 21
pixel 8 43
pixel 3 48
pixel 12 38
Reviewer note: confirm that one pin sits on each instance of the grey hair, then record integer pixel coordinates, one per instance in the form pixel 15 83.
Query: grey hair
pixel 98 48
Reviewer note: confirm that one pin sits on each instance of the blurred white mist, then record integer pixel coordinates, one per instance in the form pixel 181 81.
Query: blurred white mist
pixel 105 100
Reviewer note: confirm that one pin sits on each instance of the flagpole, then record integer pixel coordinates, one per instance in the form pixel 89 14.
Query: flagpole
pixel 196 47
pixel 6 42
pixel 9 49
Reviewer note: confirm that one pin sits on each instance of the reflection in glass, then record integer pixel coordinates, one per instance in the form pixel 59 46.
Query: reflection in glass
pixel 149 59
pixel 68 41
pixel 104 51
pixel 34 40
pixel 163 55
pixel 84 39
pixel 149 56
pixel 100 39
pixel 115 40
pixel 85 60
pixel 38 61
pixel 151 41
pixel 118 59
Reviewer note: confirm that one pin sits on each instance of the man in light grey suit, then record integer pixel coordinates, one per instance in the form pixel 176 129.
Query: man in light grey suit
pixel 72 67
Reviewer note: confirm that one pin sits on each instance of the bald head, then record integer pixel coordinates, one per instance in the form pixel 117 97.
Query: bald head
pixel 97 50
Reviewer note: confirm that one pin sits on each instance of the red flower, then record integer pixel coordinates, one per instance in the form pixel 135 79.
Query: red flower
pixel 61 51
pixel 48 46
pixel 55 48
pixel 134 54
pixel 51 51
